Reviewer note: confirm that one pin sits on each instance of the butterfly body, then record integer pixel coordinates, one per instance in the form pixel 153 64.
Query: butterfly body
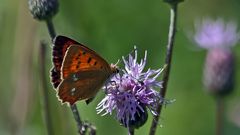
pixel 82 72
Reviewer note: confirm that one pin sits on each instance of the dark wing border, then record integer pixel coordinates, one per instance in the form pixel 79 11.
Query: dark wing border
pixel 60 45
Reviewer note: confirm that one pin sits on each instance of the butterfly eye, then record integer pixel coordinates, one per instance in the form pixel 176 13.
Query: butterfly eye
pixel 114 69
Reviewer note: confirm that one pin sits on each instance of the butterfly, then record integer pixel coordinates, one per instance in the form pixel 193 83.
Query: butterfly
pixel 78 72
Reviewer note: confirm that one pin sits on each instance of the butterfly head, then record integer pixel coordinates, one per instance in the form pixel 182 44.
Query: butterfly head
pixel 114 68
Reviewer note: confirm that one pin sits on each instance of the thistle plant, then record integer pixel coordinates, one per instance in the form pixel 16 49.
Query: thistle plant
pixel 44 10
pixel 218 38
pixel 168 59
pixel 131 93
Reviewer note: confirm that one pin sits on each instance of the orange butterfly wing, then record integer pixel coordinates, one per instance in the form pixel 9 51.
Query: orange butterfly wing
pixel 79 58
pixel 83 74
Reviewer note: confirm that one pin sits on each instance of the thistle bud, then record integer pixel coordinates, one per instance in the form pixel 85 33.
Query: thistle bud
pixel 139 120
pixel 43 9
pixel 219 71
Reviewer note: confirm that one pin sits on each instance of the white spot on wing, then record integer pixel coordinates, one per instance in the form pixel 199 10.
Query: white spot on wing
pixel 73 90
pixel 74 77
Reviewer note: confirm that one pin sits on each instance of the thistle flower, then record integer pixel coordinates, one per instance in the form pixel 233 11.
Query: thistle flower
pixel 212 34
pixel 218 37
pixel 131 93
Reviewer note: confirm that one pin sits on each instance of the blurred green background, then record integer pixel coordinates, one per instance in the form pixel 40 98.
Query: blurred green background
pixel 111 28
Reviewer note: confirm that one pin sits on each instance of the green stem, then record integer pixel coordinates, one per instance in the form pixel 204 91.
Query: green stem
pixel 168 59
pixel 80 126
pixel 130 131
pixel 51 29
pixel 46 106
pixel 219 115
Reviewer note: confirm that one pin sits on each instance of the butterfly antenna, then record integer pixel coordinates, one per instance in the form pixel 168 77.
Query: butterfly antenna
pixel 118 61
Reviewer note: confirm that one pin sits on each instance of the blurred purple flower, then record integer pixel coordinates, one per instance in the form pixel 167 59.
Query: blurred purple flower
pixel 218 37
pixel 131 92
pixel 216 34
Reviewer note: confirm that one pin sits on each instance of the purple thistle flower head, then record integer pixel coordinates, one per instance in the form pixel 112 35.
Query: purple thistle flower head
pixel 131 92
pixel 216 34
pixel 218 37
